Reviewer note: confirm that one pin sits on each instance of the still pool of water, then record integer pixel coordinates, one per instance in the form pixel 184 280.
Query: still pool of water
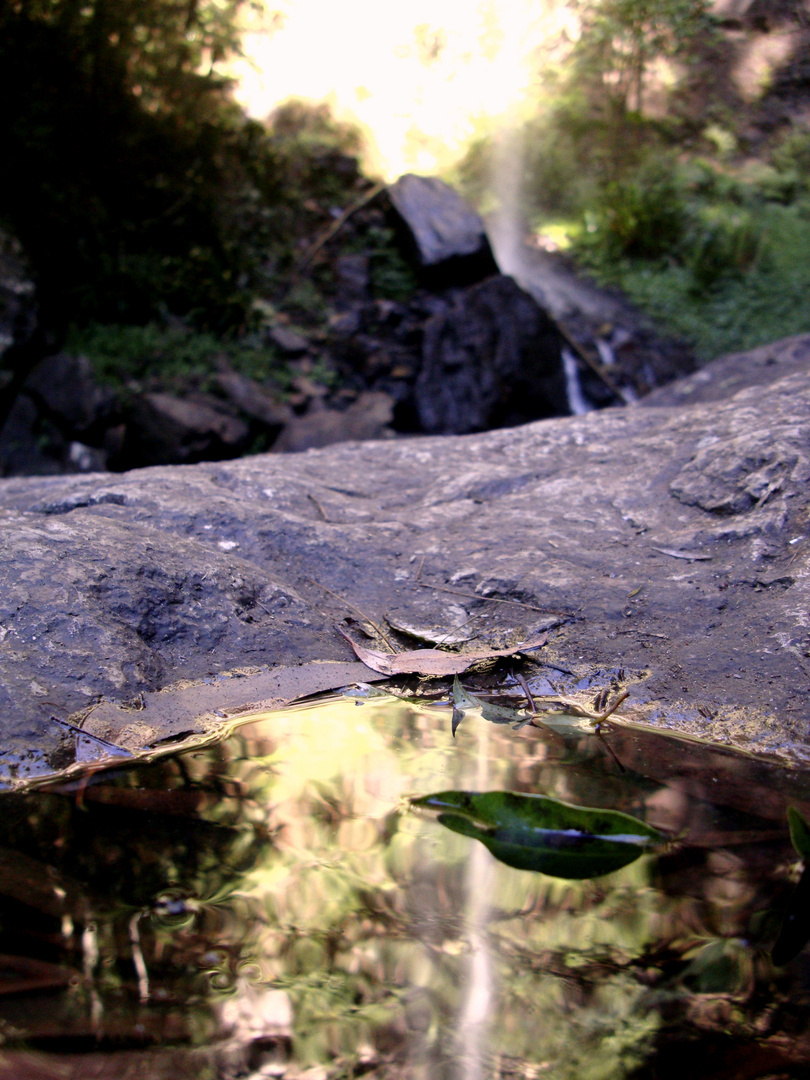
pixel 273 905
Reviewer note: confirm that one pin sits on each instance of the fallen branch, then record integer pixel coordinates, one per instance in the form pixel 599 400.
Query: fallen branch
pixel 337 225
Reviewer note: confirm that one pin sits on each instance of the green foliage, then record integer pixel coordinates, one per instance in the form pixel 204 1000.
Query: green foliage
pixel 120 353
pixel 392 277
pixel 799 833
pixel 137 186
pixel 620 40
pixel 642 214
pixel 736 310
pixel 723 239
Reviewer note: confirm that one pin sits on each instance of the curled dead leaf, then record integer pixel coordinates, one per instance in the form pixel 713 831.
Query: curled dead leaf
pixel 433 661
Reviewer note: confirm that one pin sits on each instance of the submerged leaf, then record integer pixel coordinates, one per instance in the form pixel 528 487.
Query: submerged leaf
pixel 433 661
pixel 537 832
pixel 799 833
pixel 458 716
pixel 463 701
pixel 567 723
pixel 794 933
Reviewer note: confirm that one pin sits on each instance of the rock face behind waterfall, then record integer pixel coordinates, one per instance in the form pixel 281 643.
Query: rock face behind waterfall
pixel 664 546
pixel 490 358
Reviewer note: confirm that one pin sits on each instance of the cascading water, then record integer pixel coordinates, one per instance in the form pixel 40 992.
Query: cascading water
pixel 507 225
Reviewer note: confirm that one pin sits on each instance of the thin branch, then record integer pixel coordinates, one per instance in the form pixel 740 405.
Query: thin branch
pixel 494 599
pixel 357 611
pixel 336 225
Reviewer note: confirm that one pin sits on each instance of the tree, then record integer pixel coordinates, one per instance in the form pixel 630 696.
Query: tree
pixel 125 157
pixel 620 39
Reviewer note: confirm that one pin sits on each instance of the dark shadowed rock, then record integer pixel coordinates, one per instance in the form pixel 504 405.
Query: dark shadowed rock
pixel 59 408
pixel 667 544
pixel 252 399
pixel 65 390
pixel 448 235
pixel 490 356
pixel 162 428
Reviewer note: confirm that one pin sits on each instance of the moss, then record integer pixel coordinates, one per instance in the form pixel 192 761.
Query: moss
pixel 165 353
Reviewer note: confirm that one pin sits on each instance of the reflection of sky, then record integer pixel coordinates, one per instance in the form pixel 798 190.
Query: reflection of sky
pixel 418 76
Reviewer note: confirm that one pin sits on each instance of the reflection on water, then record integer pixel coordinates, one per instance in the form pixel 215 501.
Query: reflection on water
pixel 272 906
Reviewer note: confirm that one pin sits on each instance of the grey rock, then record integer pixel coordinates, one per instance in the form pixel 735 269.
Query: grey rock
pixel 443 225
pixel 18 307
pixel 252 400
pixel 288 341
pixel 736 371
pixel 366 418
pixel 64 389
pixel 353 276
pixel 588 525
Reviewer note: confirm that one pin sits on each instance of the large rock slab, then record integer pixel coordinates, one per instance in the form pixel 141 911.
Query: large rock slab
pixel 670 542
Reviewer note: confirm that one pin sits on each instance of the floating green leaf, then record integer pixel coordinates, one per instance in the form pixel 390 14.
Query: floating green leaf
pixel 537 832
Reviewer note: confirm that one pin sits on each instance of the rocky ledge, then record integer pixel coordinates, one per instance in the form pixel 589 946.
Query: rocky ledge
pixel 663 546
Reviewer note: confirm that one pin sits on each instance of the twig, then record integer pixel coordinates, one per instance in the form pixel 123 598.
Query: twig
pixel 609 748
pixel 93 738
pixel 317 506
pixel 362 614
pixel 338 224
pixel 494 599
pixel 525 688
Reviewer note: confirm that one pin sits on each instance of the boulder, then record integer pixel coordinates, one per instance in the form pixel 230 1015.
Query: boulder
pixel 447 234
pixel 490 357
pixel 163 428
pixel 368 417
pixel 59 407
pixel 252 399
pixel 665 547
pixel 65 390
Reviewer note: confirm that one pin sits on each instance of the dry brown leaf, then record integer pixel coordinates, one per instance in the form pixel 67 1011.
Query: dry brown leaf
pixel 433 661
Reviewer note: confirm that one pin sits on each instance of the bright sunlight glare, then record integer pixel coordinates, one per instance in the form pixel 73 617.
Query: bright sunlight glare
pixel 421 78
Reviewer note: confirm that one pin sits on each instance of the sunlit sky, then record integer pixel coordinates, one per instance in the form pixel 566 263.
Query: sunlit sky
pixel 419 75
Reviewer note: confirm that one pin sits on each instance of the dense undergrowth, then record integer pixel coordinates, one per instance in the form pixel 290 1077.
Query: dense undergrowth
pixel 721 260
pixel 698 208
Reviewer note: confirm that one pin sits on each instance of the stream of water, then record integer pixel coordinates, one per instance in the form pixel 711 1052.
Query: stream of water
pixel 275 905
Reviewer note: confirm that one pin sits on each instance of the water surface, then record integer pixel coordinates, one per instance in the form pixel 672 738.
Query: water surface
pixel 272 905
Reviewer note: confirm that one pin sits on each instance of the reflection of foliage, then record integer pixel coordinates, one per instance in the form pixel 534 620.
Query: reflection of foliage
pixel 281 859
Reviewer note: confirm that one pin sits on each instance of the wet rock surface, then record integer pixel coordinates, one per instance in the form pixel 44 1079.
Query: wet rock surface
pixel 665 544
